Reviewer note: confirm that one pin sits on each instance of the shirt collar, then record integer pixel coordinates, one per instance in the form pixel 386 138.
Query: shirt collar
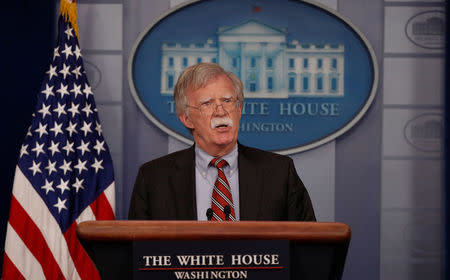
pixel 202 159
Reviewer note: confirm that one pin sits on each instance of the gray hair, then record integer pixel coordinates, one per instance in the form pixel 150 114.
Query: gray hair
pixel 198 76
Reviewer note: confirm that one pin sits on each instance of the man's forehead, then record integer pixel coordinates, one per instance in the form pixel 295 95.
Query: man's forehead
pixel 194 89
pixel 211 94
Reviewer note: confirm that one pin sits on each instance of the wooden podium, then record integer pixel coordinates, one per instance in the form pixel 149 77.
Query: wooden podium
pixel 317 250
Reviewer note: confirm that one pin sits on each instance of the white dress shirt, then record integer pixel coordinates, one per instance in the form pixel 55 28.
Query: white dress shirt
pixel 206 175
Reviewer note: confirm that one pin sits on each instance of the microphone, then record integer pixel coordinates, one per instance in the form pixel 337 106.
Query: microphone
pixel 209 214
pixel 227 211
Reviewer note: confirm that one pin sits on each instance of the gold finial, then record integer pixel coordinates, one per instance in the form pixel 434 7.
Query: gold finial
pixel 68 10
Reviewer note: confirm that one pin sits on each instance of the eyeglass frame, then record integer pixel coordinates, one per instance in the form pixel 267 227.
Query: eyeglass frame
pixel 231 99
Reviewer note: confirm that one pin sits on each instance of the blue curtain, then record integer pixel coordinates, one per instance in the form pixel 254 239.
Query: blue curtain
pixel 28 31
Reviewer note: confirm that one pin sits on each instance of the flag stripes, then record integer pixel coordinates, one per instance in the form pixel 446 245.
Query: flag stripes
pixel 13 272
pixel 22 261
pixel 85 268
pixel 102 208
pixel 33 240
pixel 48 227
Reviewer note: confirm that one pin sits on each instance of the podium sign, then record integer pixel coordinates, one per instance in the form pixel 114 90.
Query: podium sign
pixel 211 259
pixel 316 250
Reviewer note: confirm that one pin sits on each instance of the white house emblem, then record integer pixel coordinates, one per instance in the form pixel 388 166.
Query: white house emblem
pixel 304 84
pixel 427 29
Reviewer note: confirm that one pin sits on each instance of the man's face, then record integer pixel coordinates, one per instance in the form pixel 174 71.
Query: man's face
pixel 215 132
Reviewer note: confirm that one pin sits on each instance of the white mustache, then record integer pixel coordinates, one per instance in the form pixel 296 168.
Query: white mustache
pixel 221 121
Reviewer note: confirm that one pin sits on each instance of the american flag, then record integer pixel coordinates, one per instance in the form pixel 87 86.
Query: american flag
pixel 64 174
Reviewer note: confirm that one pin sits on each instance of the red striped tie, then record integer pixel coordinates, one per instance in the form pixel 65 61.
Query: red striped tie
pixel 221 195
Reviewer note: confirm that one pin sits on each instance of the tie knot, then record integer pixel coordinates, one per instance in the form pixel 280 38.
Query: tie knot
pixel 219 162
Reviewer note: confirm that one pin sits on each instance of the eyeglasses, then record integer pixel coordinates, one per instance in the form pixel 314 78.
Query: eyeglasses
pixel 209 107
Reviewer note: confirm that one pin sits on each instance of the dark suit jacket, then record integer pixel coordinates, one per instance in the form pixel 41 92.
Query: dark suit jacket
pixel 269 188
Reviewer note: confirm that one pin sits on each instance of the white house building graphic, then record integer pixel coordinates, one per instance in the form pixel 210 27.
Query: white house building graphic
pixel 268 65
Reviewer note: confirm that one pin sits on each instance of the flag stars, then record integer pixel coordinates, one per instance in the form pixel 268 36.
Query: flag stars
pixel 45 110
pixel 77 51
pixel 42 129
pixel 51 72
pixel 54 148
pixel 63 90
pixel 71 128
pixel 97 165
pixel 99 146
pixel 56 52
pixel 48 186
pixel 38 149
pixel 78 184
pixel 77 72
pixel 61 109
pixel 63 185
pixel 48 91
pixel 60 205
pixel 29 131
pixel 23 150
pixel 86 128
pixel 66 166
pixel 51 167
pixel 35 168
pixel 98 127
pixel 65 71
pixel 68 32
pixel 56 128
pixel 81 166
pixel 76 90
pixel 87 109
pixel 87 90
pixel 68 147
pixel 74 110
pixel 67 51
pixel 83 147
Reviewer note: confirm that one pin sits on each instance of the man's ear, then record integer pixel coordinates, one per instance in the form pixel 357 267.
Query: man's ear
pixel 240 110
pixel 186 121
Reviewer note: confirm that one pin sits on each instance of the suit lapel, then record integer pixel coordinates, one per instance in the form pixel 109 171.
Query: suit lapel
pixel 250 186
pixel 183 185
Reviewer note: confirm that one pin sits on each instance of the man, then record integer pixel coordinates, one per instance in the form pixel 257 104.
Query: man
pixel 217 178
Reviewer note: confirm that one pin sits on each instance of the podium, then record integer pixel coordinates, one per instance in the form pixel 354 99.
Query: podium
pixel 317 249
